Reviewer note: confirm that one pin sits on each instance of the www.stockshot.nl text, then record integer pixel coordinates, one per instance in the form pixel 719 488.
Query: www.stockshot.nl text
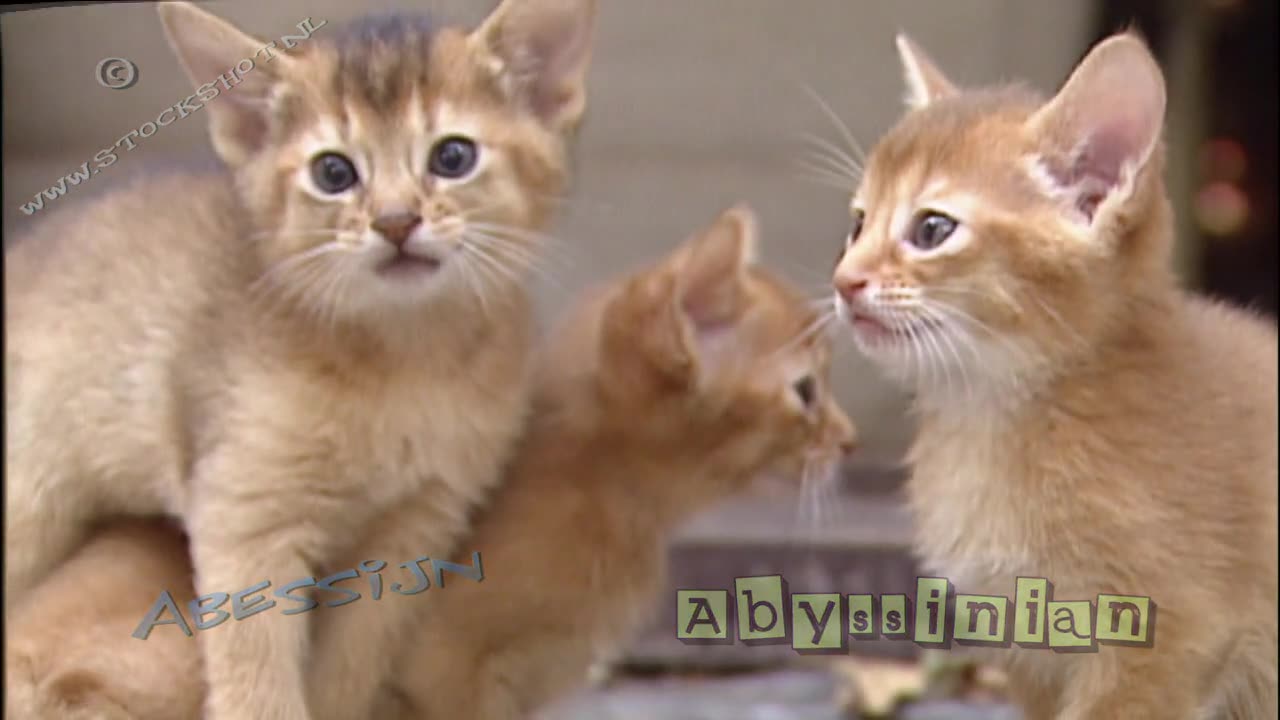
pixel 204 94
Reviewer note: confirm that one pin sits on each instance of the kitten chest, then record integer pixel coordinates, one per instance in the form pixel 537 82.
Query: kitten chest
pixel 974 523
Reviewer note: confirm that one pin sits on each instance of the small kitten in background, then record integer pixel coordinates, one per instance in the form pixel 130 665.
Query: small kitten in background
pixel 1082 418
pixel 663 394
pixel 328 343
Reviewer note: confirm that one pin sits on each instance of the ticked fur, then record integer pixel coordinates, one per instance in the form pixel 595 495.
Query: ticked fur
pixel 295 372
pixel 1082 418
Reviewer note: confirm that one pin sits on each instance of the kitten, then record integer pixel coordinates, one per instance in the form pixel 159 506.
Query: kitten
pixel 1082 419
pixel 328 342
pixel 666 392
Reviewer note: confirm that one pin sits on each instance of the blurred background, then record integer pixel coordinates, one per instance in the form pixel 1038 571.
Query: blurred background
pixel 697 104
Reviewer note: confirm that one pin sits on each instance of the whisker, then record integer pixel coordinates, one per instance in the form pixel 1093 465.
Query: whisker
pixel 807 169
pixel 830 151
pixel 516 233
pixel 471 277
pixel 305 233
pixel 820 161
pixel 836 120
pixel 293 262
pixel 505 255
pixel 515 249
pixel 818 324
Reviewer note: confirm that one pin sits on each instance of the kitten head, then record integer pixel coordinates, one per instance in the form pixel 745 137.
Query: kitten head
pixel 996 232
pixel 391 157
pixel 709 358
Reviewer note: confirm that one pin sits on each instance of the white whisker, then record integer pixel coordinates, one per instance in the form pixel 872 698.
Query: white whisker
pixel 840 124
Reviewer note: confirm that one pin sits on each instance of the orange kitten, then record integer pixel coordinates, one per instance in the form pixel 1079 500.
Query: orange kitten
pixel 665 393
pixel 327 343
pixel 1082 419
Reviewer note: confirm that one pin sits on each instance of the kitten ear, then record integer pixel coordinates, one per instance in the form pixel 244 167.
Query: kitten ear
pixel 714 264
pixel 209 49
pixel 710 290
pixel 925 82
pixel 1104 124
pixel 544 49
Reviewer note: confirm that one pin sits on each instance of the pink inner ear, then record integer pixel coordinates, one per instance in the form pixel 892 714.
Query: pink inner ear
pixel 1104 123
pixel 1096 168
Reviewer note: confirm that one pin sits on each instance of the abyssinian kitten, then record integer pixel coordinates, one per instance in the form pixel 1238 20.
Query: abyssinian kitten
pixel 661 394
pixel 325 344
pixel 1081 417
pixel 657 396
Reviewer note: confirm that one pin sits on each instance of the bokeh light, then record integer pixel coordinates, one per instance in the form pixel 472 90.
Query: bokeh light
pixel 1221 209
pixel 1223 159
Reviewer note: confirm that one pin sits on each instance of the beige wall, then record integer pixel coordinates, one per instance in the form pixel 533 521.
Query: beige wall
pixel 695 104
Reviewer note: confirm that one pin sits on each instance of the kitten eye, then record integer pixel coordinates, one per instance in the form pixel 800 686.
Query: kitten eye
pixel 453 157
pixel 931 229
pixel 333 173
pixel 806 389
pixel 856 229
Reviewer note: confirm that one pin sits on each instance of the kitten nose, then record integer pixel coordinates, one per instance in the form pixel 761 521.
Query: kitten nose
pixel 848 444
pixel 850 288
pixel 848 435
pixel 396 227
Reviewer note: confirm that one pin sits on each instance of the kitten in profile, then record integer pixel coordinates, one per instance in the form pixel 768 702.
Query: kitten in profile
pixel 1082 418
pixel 327 343
pixel 662 394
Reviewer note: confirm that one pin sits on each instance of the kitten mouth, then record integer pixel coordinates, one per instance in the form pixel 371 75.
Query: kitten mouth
pixel 405 264
pixel 868 327
pixel 873 331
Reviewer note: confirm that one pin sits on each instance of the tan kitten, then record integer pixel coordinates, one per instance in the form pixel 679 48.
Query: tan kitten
pixel 1082 419
pixel 669 391
pixel 312 348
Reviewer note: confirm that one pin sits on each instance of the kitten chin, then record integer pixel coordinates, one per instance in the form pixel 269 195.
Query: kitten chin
pixel 1082 419
pixel 660 395
pixel 221 348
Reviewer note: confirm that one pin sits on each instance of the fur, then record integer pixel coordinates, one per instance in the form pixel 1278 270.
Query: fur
pixel 665 392
pixel 255 357
pixel 1082 418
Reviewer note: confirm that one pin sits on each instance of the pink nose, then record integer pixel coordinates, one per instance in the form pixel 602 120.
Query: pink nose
pixel 850 288
pixel 396 227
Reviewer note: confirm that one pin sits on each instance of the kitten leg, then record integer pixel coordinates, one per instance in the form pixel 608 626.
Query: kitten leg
pixel 240 536
pixel 517 680
pixel 1122 683
pixel 1036 701
pixel 355 645
pixel 1249 681
pixel 43 526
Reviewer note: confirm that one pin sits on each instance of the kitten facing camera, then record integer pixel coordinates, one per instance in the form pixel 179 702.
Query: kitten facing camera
pixel 323 347
pixel 1082 418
